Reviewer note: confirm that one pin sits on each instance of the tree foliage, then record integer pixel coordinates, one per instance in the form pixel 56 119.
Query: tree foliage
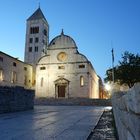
pixel 128 70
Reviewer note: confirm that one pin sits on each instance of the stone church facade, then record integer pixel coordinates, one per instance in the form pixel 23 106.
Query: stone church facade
pixel 58 69
pixel 64 72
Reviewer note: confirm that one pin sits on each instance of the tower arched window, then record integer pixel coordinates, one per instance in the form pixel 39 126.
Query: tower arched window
pixel 45 32
pixel 81 81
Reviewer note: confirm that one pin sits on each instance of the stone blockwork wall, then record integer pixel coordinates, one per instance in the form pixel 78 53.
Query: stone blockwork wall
pixel 126 108
pixel 15 99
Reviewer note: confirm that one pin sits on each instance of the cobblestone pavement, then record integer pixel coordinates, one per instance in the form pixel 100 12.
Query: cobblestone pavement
pixel 105 129
pixel 50 123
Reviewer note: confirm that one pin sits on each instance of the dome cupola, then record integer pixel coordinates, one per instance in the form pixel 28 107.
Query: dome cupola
pixel 62 41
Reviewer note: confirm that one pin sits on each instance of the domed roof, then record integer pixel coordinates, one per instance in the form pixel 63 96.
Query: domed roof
pixel 62 41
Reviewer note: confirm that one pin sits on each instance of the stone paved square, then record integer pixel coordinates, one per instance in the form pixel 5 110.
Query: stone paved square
pixel 50 123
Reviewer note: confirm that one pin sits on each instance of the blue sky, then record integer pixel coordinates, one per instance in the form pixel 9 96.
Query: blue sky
pixel 93 24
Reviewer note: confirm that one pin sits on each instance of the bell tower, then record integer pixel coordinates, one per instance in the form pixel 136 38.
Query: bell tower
pixel 37 37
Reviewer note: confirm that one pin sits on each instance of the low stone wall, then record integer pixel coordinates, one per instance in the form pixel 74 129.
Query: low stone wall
pixel 73 101
pixel 15 99
pixel 126 109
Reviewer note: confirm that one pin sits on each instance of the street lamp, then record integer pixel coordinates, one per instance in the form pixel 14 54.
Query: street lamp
pixel 107 87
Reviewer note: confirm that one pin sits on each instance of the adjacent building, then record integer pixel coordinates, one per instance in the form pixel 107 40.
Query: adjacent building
pixel 14 72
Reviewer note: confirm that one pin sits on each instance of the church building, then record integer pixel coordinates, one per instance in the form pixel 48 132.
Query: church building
pixel 58 69
pixel 63 72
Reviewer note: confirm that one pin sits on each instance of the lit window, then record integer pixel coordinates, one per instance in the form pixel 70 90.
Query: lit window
pixel 81 81
pixel 34 82
pixel 13 77
pixel 81 66
pixel 61 67
pixel 42 68
pixel 1 75
pixel 41 83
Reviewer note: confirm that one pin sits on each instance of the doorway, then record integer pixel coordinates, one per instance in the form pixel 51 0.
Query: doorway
pixel 61 88
pixel 61 91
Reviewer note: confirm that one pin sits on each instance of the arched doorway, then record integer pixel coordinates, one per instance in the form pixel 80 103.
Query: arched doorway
pixel 61 88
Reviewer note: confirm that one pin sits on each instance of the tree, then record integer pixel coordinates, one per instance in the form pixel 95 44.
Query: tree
pixel 128 70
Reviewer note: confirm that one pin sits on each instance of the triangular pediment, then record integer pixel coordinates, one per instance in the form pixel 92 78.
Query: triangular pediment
pixel 61 81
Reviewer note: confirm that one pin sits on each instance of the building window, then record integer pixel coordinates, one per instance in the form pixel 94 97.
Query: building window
pixel 34 82
pixel 36 40
pixel 1 75
pixel 61 67
pixel 31 40
pixel 34 30
pixel 25 80
pixel 81 66
pixel 25 68
pixel 81 81
pixel 13 77
pixel 14 64
pixel 36 49
pixel 42 68
pixel 1 59
pixel 30 49
pixel 45 32
pixel 41 83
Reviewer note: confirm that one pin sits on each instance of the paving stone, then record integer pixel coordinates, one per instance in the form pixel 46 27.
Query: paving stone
pixel 50 122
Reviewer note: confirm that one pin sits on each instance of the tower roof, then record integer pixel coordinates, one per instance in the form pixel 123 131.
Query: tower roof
pixel 37 15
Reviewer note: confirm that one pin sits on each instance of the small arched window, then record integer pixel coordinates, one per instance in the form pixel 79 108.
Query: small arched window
pixel 1 75
pixel 25 80
pixel 81 81
pixel 42 68
pixel 14 77
pixel 41 83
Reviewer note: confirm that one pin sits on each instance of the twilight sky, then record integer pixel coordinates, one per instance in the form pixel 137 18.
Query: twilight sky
pixel 93 24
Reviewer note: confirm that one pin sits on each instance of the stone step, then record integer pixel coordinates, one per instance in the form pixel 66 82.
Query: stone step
pixel 73 101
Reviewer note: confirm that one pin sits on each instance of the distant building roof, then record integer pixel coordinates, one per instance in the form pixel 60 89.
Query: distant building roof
pixel 37 15
pixel 16 59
